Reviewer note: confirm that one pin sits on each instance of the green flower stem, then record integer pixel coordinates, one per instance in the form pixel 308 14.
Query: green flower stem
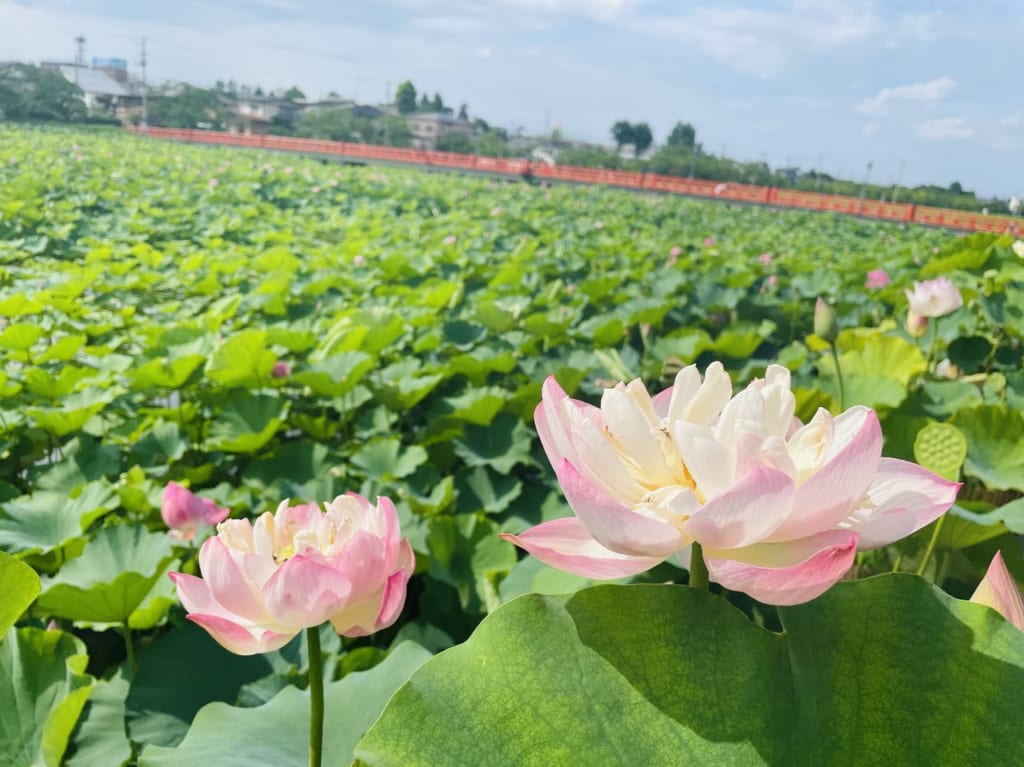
pixel 316 697
pixel 130 648
pixel 839 376
pixel 933 348
pixel 931 545
pixel 698 568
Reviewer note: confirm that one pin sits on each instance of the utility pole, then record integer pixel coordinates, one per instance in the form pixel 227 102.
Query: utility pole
pixel 142 64
pixel 79 55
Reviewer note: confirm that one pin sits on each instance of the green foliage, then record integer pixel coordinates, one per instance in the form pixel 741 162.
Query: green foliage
pixel 683 136
pixel 186 108
pixel 405 97
pixel 682 672
pixel 20 586
pixel 29 93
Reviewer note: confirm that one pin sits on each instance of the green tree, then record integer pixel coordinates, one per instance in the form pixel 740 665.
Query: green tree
pixel 642 138
pixel 405 98
pixel 683 135
pixel 393 131
pixel 437 105
pixel 294 93
pixel 490 144
pixel 463 112
pixel 186 109
pixel 455 142
pixel 30 93
pixel 425 105
pixel 622 132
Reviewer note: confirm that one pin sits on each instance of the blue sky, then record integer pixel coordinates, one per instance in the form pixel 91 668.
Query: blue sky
pixel 925 92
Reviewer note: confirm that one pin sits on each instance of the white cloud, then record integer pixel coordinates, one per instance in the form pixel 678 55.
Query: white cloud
pixel 484 51
pixel 869 129
pixel 933 90
pixel 762 42
pixel 1013 120
pixel 944 128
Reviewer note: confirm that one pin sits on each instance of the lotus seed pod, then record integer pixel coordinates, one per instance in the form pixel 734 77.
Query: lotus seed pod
pixel 941 448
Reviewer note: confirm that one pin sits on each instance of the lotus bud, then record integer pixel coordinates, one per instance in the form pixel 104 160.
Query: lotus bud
pixel 917 324
pixel 825 321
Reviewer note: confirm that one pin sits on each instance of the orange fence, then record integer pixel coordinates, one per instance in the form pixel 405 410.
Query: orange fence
pixel 764 195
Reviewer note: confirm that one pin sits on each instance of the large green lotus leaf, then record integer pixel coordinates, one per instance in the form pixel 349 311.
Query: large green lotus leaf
pixel 47 520
pixel 83 460
pixel 995 449
pixel 277 732
pixel 43 687
pixel 19 585
pixel 74 412
pixel 890 356
pixel 337 375
pixel 160 707
pixel 384 459
pixel 20 336
pixel 242 360
pixel 247 424
pixel 101 738
pixel 669 675
pixel 501 445
pixel 163 444
pixel 300 469
pixel 466 553
pixel 110 579
pixel 164 372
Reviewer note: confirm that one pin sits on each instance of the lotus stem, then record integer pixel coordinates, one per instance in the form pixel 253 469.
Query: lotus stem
pixel 316 697
pixel 931 545
pixel 698 569
pixel 839 376
pixel 130 648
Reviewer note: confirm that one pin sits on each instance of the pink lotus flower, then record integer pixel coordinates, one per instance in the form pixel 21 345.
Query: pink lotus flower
pixel 877 278
pixel 296 568
pixel 358 260
pixel 281 369
pixel 212 183
pixel 183 512
pixel 675 252
pixel 934 298
pixel 496 211
pixel 449 240
pixel 765 258
pixel 709 241
pixel 999 591
pixel 780 508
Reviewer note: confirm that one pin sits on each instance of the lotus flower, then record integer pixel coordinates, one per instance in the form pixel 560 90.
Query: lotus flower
pixel 877 278
pixel 281 369
pixel 184 511
pixel 916 324
pixel 825 325
pixel 1018 248
pixel 999 591
pixel 934 298
pixel 296 568
pixel 779 507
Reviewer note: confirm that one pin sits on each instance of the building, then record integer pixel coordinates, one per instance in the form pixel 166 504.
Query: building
pixel 428 127
pixel 253 115
pixel 106 89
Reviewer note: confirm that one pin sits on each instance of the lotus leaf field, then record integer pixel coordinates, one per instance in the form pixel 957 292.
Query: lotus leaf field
pixel 258 327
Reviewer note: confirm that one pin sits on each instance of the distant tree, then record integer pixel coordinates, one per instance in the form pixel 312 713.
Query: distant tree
pixel 186 109
pixel 425 103
pixel 491 144
pixel 333 95
pixel 455 142
pixel 30 93
pixel 683 135
pixel 405 98
pixel 258 91
pixel 437 105
pixel 219 86
pixel 463 112
pixel 622 132
pixel 642 138
pixel 481 125
pixel 294 93
pixel 393 131
pixel 232 88
pixel 337 125
pixel 956 188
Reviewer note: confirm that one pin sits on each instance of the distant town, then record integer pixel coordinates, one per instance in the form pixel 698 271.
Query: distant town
pixel 105 91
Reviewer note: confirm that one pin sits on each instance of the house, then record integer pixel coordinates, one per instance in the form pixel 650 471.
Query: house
pixel 428 127
pixel 255 114
pixel 105 90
